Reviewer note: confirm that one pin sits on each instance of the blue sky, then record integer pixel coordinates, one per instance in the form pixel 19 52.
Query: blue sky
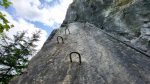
pixel 32 15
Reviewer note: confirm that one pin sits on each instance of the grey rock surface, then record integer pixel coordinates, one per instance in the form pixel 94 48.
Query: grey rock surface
pixel 104 60
pixel 129 20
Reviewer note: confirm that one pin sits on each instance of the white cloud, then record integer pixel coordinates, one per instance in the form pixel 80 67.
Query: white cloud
pixel 34 10
pixel 22 25
pixel 49 1
pixel 47 15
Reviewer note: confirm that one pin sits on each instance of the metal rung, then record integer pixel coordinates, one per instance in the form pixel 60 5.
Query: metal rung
pixel 66 30
pixel 77 54
pixel 59 37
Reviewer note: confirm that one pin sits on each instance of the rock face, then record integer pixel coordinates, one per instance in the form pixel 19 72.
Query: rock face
pixel 127 19
pixel 104 60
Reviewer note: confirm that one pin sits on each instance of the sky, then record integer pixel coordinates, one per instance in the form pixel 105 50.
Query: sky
pixel 33 15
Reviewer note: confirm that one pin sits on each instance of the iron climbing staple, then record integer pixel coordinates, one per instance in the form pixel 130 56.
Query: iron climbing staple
pixel 66 30
pixel 77 54
pixel 60 38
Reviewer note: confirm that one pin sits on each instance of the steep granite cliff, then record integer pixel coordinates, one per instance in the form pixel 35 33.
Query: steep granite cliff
pixel 112 38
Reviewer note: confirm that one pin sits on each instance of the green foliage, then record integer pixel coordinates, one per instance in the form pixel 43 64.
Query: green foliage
pixel 5 23
pixel 14 54
pixel 5 3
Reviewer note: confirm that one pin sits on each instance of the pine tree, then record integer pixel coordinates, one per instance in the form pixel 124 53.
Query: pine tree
pixel 14 54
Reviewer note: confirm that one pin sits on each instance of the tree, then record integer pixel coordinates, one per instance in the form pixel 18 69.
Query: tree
pixel 14 54
pixel 4 24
